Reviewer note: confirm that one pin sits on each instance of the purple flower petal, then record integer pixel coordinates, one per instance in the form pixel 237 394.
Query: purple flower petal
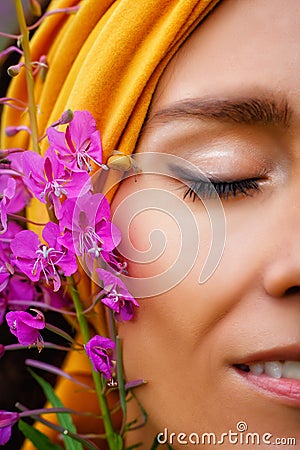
pixel 35 259
pixel 91 230
pixel 50 181
pixel 25 244
pixel 24 247
pixel 117 297
pixel 21 197
pixel 33 168
pixel 25 327
pixel 20 288
pixel 57 140
pixel 51 232
pixel 99 350
pixel 7 420
pixel 79 145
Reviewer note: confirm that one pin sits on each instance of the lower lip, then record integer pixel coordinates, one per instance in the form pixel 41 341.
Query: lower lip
pixel 284 388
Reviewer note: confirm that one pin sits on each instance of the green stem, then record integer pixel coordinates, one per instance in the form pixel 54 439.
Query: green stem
pixel 99 386
pixel 60 333
pixel 121 384
pixel 29 75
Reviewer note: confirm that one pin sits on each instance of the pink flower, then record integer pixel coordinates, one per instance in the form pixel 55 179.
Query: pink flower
pixel 88 231
pixel 117 297
pixel 35 259
pixel 99 350
pixel 49 181
pixel 26 327
pixel 7 420
pixel 79 145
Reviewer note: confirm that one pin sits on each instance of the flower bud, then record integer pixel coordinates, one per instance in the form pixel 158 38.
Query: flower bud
pixel 120 162
pixel 12 131
pixel 67 117
pixel 13 71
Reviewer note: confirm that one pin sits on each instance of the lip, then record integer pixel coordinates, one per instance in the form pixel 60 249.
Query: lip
pixel 278 353
pixel 285 390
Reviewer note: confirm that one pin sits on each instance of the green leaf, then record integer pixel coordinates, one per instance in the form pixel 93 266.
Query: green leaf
pixel 155 444
pixel 64 419
pixel 38 439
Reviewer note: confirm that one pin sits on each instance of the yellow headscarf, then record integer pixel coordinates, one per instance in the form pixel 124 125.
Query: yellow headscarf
pixel 107 59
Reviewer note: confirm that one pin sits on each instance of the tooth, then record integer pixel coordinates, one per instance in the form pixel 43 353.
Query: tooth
pixel 291 369
pixel 257 368
pixel 273 369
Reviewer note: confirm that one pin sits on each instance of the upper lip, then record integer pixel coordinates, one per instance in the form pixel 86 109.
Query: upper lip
pixel 279 353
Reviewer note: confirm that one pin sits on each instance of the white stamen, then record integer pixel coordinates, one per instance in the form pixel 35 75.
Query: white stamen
pixel 89 242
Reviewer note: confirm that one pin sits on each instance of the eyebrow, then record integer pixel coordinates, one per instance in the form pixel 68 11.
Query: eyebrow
pixel 242 110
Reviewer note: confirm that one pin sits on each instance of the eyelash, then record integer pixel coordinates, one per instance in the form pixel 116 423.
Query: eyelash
pixel 223 189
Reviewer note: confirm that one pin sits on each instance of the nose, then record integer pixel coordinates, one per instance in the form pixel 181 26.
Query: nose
pixel 283 280
pixel 282 272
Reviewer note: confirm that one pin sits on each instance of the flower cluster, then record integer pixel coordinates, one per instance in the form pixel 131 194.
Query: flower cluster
pixel 81 226
pixel 37 269
pixel 41 271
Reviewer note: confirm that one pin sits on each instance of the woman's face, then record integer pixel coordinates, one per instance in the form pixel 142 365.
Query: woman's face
pixel 195 343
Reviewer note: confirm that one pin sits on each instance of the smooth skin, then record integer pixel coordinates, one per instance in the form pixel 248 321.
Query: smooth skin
pixel 185 342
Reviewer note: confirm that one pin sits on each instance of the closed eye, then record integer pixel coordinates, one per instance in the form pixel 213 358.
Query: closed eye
pixel 223 189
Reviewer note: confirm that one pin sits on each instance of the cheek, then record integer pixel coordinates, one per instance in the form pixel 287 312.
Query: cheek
pixel 182 313
pixel 163 238
pixel 153 244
